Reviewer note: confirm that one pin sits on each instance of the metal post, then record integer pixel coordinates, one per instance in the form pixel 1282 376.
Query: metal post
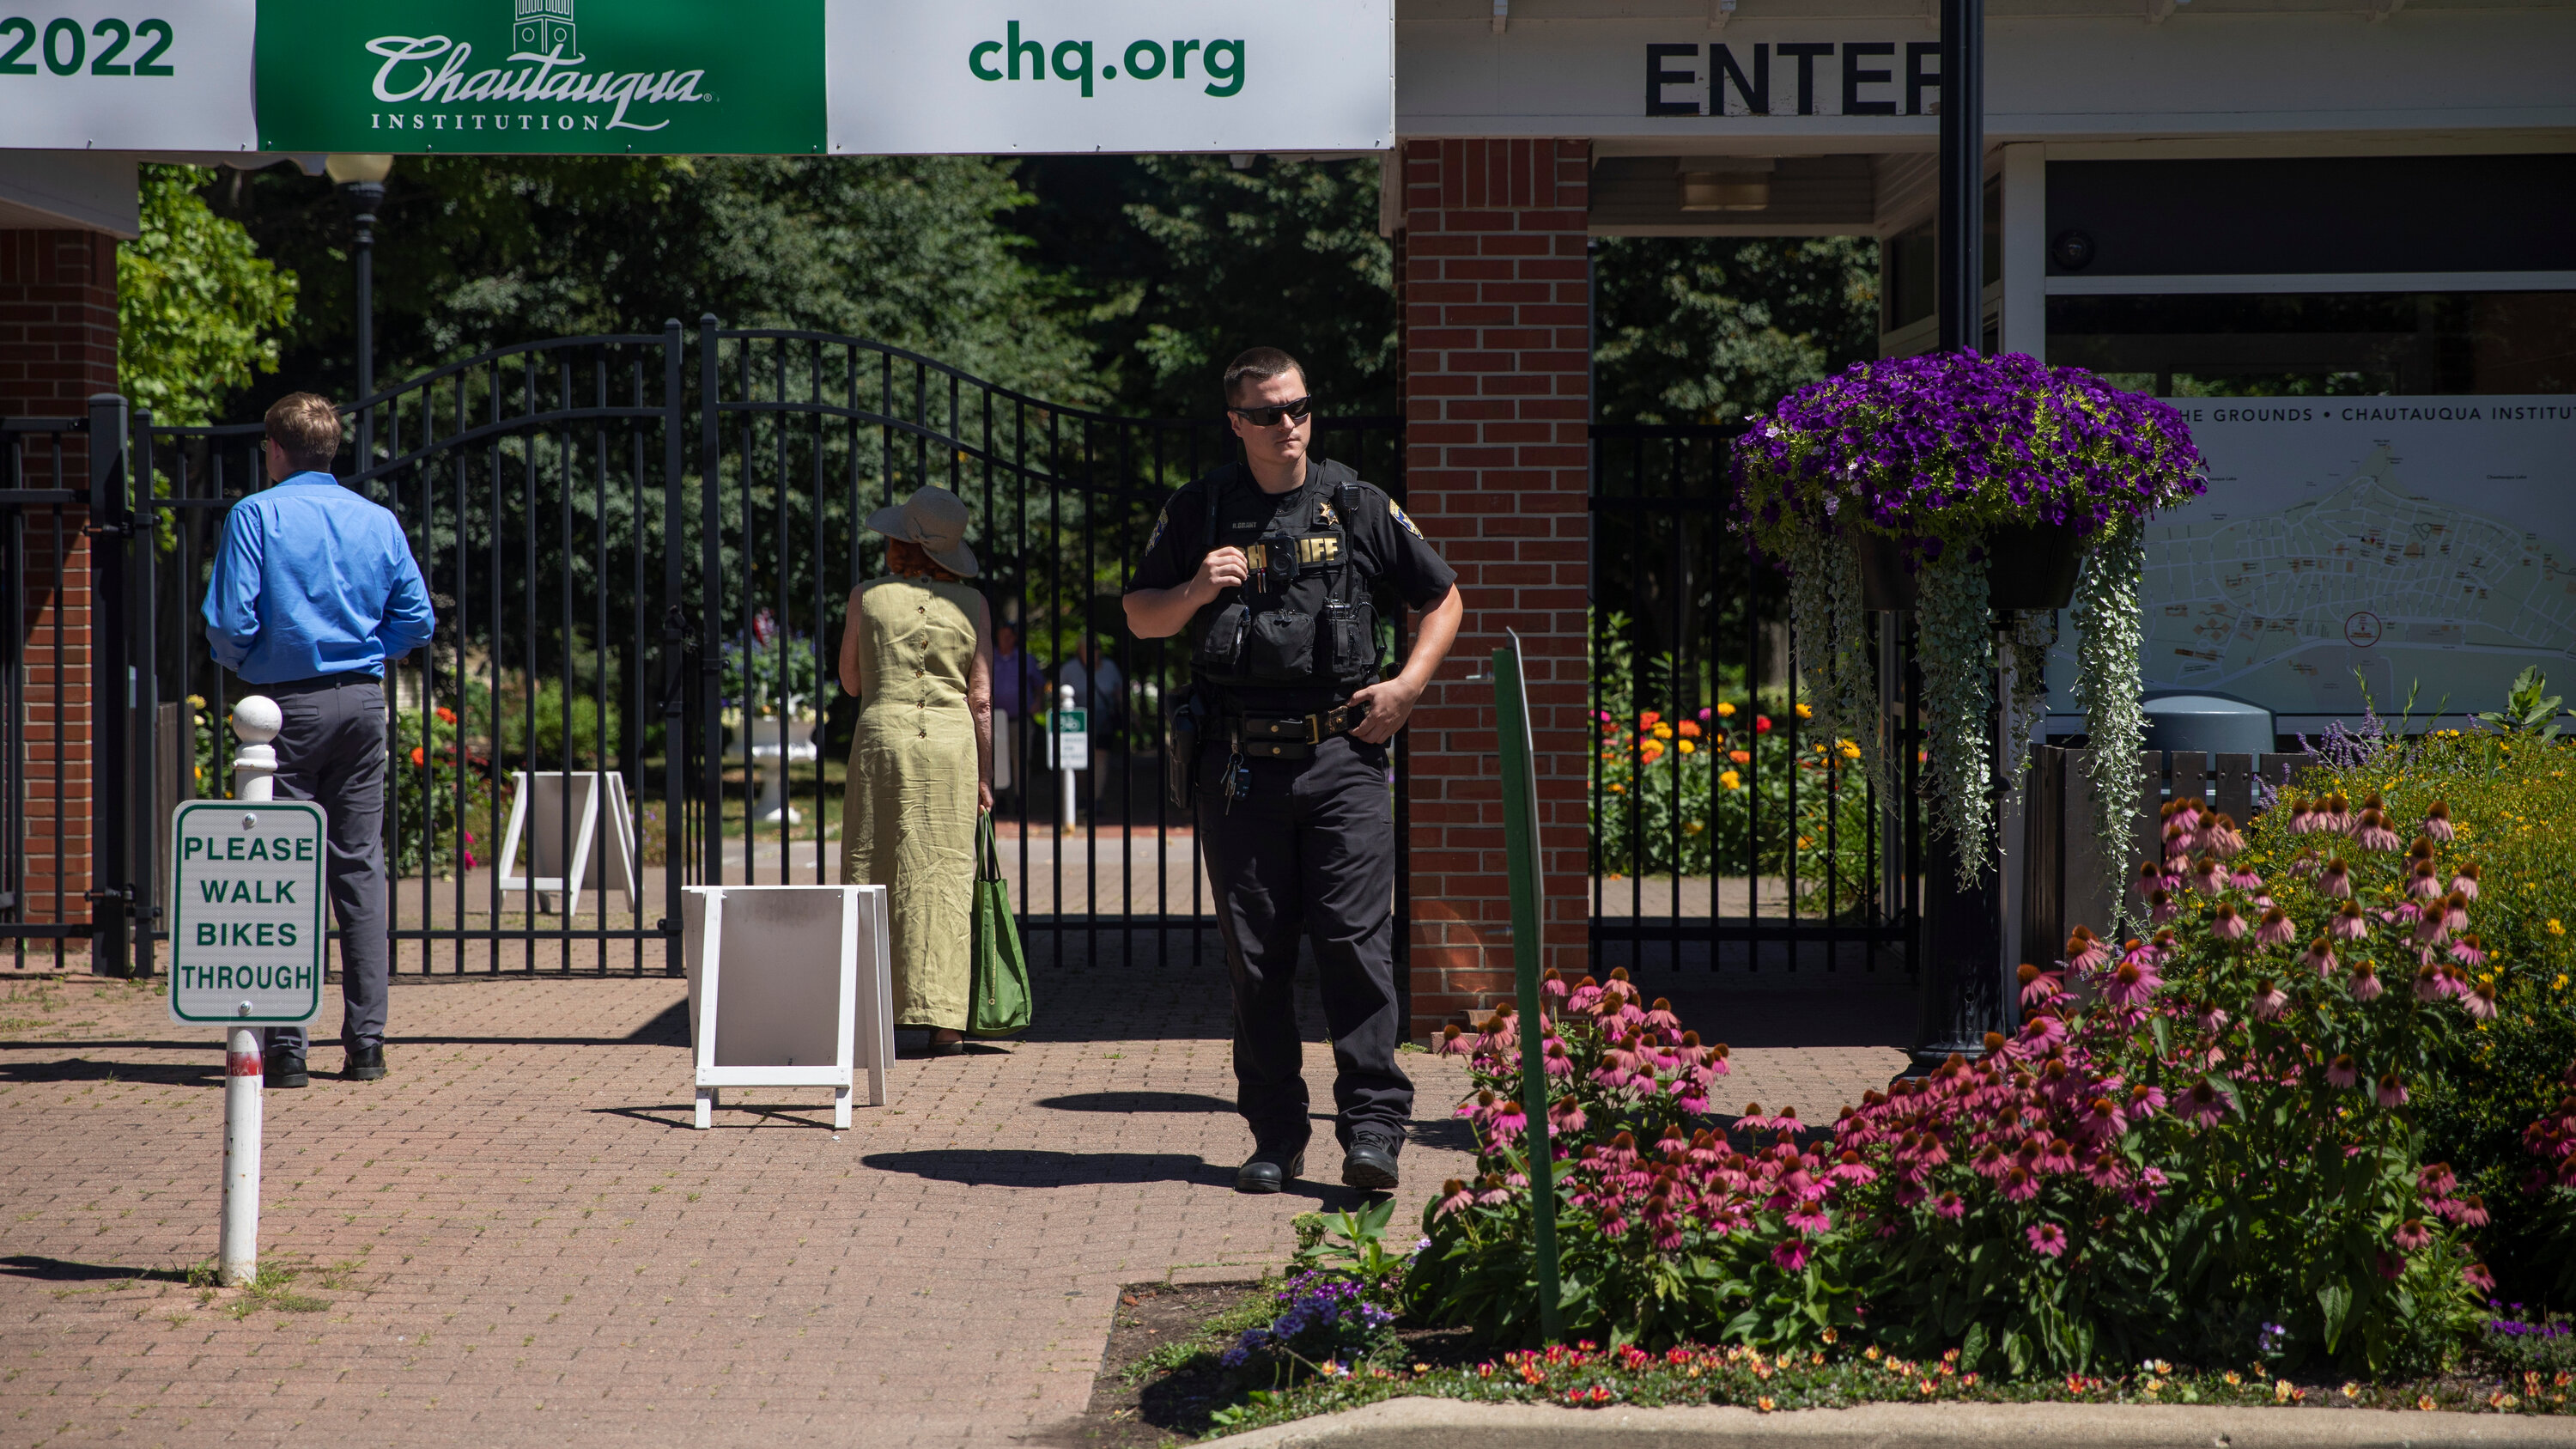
pixel 255 721
pixel 111 693
pixel 1521 859
pixel 364 197
pixel 1963 994
pixel 1063 766
pixel 675 647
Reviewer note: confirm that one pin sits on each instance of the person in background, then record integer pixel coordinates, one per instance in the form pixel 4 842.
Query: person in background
pixel 917 650
pixel 1019 692
pixel 314 592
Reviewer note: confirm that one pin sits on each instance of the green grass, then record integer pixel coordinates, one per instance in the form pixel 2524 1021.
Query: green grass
pixel 1212 1338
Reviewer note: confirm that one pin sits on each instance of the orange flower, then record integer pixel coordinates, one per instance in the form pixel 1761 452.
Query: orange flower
pixel 1689 729
pixel 417 757
pixel 446 715
pixel 1741 757
pixel 1651 751
pixel 1649 719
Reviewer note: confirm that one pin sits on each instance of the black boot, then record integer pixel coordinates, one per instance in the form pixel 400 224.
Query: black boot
pixel 284 1067
pixel 1369 1162
pixel 364 1064
pixel 1271 1166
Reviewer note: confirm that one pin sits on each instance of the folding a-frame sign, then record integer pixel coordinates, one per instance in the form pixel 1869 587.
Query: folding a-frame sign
pixel 761 961
pixel 600 855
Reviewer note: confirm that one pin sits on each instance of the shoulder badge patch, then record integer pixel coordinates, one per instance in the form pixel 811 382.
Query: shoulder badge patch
pixel 1160 521
pixel 1395 510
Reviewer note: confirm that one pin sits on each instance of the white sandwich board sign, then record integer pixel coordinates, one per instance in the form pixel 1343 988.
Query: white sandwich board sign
pixel 601 850
pixel 789 986
pixel 247 941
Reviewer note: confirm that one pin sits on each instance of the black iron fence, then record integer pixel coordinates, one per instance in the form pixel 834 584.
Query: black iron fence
pixel 639 547
pixel 1725 830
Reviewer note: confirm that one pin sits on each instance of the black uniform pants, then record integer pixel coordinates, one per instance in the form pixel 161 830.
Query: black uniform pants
pixel 1308 852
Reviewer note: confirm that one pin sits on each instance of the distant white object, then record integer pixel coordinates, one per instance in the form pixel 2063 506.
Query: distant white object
pixel 789 986
pixel 256 721
pixel 599 856
pixel 775 744
pixel 1004 746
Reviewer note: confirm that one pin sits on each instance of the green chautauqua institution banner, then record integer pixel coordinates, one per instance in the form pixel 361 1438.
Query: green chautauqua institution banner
pixel 534 75
pixel 780 77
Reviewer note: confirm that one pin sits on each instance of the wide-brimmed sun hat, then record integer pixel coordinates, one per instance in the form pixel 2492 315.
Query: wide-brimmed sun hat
pixel 934 518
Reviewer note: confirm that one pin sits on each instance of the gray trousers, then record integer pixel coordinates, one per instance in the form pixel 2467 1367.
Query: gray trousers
pixel 1308 854
pixel 331 751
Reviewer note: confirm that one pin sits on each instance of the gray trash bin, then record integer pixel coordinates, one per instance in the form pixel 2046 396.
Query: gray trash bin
pixel 2218 724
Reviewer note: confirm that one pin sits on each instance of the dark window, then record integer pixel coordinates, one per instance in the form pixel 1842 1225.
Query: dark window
pixel 2325 343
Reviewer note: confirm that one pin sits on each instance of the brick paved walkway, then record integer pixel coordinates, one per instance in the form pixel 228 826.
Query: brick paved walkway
pixel 522 1243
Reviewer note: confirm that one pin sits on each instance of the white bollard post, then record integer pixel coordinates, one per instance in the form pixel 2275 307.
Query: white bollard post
pixel 256 721
pixel 1063 760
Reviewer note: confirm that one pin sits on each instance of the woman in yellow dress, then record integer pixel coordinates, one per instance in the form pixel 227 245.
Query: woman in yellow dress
pixel 917 651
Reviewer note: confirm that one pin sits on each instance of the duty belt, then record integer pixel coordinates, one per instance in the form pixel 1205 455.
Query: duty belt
pixel 1291 736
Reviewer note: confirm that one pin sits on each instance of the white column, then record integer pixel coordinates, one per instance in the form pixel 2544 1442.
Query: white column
pixel 2025 271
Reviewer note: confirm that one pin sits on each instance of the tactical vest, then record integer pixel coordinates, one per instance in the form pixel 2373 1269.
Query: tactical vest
pixel 1303 619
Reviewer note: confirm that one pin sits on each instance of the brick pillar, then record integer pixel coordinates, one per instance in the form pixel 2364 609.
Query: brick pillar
pixel 1497 348
pixel 57 347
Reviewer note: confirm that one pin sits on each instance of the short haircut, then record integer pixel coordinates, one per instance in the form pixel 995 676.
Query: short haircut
pixel 1259 366
pixel 306 428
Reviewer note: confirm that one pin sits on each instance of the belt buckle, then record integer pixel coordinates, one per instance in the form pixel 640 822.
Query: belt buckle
pixel 1314 729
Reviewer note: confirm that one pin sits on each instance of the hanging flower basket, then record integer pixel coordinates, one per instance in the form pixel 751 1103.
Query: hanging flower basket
pixel 1982 494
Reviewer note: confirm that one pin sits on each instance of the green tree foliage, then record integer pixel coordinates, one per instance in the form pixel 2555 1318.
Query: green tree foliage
pixel 198 310
pixel 475 252
pixel 1704 329
pixel 1186 261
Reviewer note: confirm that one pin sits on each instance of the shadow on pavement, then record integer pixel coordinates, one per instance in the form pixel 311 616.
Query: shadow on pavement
pixel 56 1270
pixel 1137 1102
pixel 1018 1168
pixel 81 1069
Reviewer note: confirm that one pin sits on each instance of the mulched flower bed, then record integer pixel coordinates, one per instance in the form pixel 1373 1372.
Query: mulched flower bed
pixel 1161 1381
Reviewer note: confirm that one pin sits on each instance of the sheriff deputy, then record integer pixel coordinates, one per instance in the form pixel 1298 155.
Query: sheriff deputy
pixel 1273 564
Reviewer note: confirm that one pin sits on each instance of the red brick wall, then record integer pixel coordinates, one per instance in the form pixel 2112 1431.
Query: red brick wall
pixel 57 347
pixel 1497 315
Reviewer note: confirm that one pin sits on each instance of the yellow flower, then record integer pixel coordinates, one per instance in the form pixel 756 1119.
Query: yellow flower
pixel 2556 929
pixel 1850 751
pixel 1730 779
pixel 1663 732
pixel 1725 711
pixel 2281 1392
pixel 1805 713
pixel 196 701
pixel 1688 748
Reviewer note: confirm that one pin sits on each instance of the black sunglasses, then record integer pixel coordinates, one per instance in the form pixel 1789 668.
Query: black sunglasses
pixel 1294 410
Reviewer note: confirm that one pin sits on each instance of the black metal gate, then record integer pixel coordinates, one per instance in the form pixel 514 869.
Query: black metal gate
pixel 639 547
pixel 1723 832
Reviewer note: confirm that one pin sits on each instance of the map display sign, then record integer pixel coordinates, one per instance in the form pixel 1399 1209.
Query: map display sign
pixel 2352 544
pixel 246 937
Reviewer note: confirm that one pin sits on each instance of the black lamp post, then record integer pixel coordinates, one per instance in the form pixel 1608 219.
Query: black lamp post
pixel 362 186
pixel 1965 986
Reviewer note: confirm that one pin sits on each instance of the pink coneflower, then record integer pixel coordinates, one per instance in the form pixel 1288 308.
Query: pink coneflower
pixel 2464 883
pixel 2179 840
pixel 2436 1180
pixel 2365 983
pixel 2208 1016
pixel 2344 1072
pixel 2276 929
pixel 1452 1043
pixel 2320 957
pixel 2411 1235
pixel 1990 1161
pixel 1555 1059
pixel 1810 1218
pixel 2036 986
pixel 2131 985
pixel 2107 1172
pixel 2270 1002
pixel 1566 1116
pixel 2161 906
pixel 2468 950
pixel 2392 1090
pixel 2086 951
pixel 2349 924
pixel 1852 1170
pixel 2046 1239
pixel 2437 821
pixel 1792 1255
pixel 2150 878
pixel 2057 1155
pixel 2472 1212
pixel 2371 832
pixel 2303 818
pixel 2020 1185
pixel 2422 882
pixel 2207 876
pixel 1552 985
pixel 2204 1104
pixel 2042 1031
pixel 2432 983
pixel 2336 879
pixel 1949 1205
pixel 2337 814
pixel 2455 912
pixel 2221 836
pixel 2227 925
pixel 2244 879
pixel 1453 1196
pixel 2480 1001
pixel 2145 1100
pixel 1661 1018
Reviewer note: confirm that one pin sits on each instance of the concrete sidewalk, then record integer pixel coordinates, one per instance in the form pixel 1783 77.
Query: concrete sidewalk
pixel 521 1241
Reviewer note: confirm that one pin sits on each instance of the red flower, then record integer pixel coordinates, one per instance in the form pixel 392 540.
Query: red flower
pixel 1762 724
pixel 417 757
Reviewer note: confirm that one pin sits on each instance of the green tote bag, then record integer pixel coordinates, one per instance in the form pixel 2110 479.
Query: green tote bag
pixel 1001 1006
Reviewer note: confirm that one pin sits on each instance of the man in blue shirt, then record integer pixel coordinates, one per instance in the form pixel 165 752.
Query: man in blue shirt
pixel 315 592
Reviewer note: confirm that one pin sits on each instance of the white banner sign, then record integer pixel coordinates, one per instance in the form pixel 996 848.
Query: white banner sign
pixel 247 940
pixel 980 77
pixel 123 75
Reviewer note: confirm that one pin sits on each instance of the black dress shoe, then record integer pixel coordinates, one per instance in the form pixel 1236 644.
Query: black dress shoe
pixel 1270 1167
pixel 284 1069
pixel 1369 1162
pixel 365 1064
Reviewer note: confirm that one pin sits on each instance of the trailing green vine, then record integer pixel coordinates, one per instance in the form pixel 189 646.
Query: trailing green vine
pixel 1830 633
pixel 1952 628
pixel 2108 690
